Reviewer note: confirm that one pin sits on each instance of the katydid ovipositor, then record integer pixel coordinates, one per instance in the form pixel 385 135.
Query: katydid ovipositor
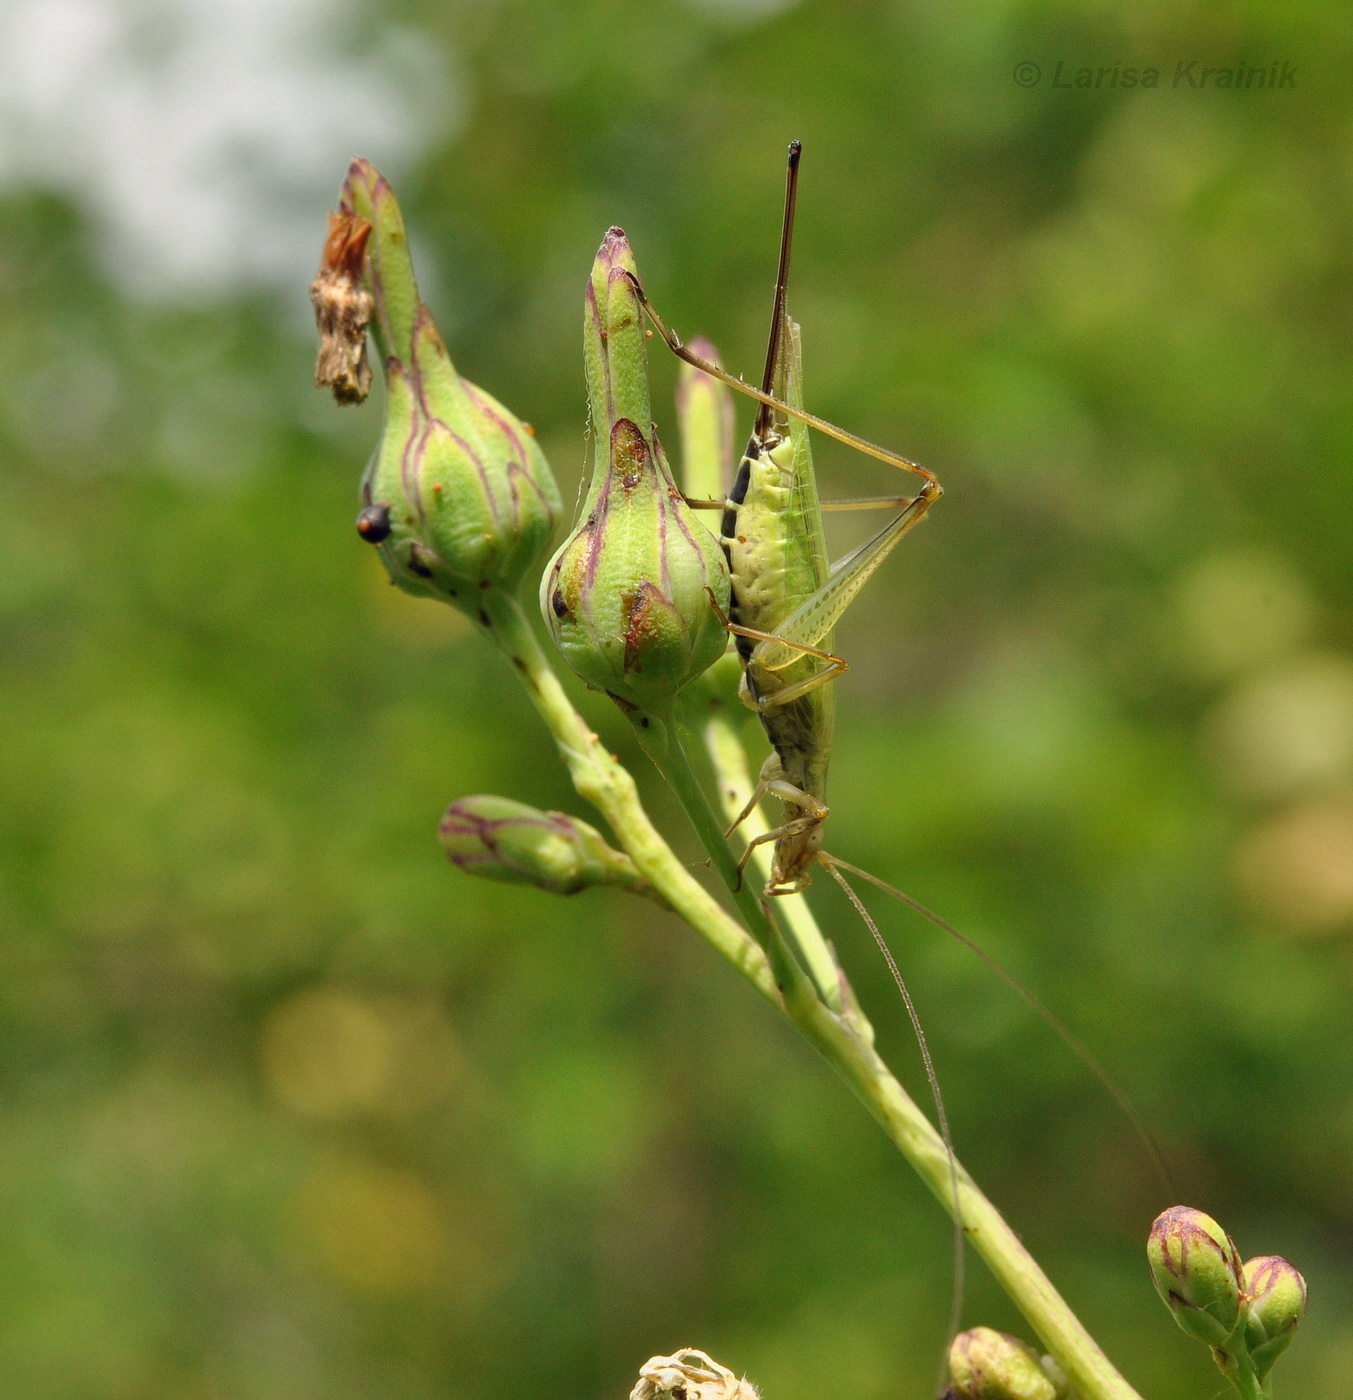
pixel 786 598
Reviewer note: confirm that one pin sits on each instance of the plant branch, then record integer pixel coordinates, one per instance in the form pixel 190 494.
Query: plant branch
pixel 844 1040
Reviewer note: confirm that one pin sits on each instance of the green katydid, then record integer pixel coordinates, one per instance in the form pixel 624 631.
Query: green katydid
pixel 786 602
pixel 786 598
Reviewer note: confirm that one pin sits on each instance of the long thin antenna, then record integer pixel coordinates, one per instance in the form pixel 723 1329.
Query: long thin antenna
pixel 960 1252
pixel 777 318
pixel 931 490
pixel 1072 1042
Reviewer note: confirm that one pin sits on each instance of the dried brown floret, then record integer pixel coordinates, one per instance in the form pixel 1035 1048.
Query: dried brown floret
pixel 343 309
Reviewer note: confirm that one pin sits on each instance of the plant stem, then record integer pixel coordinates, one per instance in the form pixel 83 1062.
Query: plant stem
pixel 659 739
pixel 843 1040
pixel 602 780
pixel 729 760
pixel 1237 1367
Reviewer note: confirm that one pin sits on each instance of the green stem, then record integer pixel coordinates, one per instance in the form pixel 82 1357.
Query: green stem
pixel 601 780
pixel 734 778
pixel 659 739
pixel 1237 1367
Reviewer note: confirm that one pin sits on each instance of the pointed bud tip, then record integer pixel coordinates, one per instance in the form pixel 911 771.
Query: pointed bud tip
pixel 360 174
pixel 616 254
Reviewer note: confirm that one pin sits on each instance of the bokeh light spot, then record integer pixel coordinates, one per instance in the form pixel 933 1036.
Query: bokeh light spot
pixel 325 1053
pixel 1297 867
pixel 377 1229
pixel 1240 609
pixel 1287 731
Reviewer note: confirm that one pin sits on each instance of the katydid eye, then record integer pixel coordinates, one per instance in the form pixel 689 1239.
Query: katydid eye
pixel 373 524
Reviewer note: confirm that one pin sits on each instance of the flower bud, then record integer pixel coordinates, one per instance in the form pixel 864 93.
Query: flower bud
pixel 628 595
pixel 1196 1270
pixel 705 416
pixel 505 840
pixel 989 1365
pixel 1277 1298
pixel 458 497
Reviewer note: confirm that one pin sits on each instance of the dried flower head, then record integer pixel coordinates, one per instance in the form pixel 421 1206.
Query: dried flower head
pixel 343 309
pixel 690 1375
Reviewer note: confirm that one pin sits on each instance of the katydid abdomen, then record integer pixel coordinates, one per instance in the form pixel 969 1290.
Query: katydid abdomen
pixel 777 557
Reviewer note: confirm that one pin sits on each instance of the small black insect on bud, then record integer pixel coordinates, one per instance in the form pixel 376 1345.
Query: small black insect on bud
pixel 373 524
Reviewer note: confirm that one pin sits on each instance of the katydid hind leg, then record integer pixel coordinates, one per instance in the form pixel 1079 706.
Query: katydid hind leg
pixel 818 615
pixel 835 665
pixel 867 503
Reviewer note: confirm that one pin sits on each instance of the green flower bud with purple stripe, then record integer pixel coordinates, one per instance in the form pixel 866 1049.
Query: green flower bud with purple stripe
pixel 1277 1303
pixel 988 1365
pixel 499 839
pixel 630 596
pixel 458 497
pixel 1196 1270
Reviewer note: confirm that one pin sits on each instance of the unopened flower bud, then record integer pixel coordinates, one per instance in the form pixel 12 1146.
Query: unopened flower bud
pixel 989 1365
pixel 705 416
pixel 520 845
pixel 630 595
pixel 1196 1270
pixel 458 497
pixel 1277 1299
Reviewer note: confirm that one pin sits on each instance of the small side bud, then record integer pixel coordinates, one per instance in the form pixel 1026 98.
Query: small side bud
pixel 1060 1384
pixel 629 597
pixel 499 839
pixel 1277 1303
pixel 343 309
pixel 1196 1270
pixel 458 497
pixel 705 417
pixel 989 1365
pixel 690 1375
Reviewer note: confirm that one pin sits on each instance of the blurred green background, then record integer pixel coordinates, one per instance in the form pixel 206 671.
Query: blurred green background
pixel 293 1109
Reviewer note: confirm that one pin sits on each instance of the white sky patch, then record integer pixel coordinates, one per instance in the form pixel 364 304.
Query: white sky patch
pixel 206 138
